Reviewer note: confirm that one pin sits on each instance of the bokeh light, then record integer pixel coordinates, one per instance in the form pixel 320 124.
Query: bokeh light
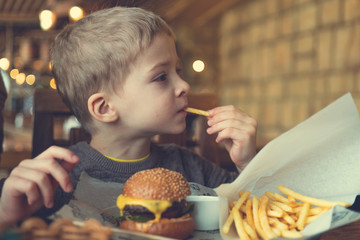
pixel 20 78
pixel 30 79
pixel 13 73
pixel 47 19
pixel 53 83
pixel 4 64
pixel 198 66
pixel 76 13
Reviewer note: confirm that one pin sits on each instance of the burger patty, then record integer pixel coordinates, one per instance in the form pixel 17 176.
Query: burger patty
pixel 176 210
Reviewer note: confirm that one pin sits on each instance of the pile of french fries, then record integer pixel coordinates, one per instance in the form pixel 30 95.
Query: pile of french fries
pixel 275 215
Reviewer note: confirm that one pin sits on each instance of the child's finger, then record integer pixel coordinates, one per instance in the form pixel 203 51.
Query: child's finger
pixel 234 135
pixel 235 125
pixel 67 166
pixel 21 186
pixel 230 113
pixel 220 109
pixel 60 153
pixel 53 169
pixel 36 181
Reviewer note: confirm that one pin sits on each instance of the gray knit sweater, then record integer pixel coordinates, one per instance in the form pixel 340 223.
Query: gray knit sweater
pixel 192 166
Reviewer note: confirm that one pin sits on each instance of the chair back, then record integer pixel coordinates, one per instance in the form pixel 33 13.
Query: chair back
pixel 47 109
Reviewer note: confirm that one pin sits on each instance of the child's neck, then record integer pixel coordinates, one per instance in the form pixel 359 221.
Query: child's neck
pixel 121 148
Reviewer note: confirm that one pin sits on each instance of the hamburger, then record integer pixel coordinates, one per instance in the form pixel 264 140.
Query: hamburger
pixel 154 202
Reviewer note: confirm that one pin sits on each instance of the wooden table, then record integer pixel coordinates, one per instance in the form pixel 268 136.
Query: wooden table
pixel 347 232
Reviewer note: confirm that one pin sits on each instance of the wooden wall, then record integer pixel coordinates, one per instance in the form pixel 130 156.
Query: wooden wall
pixel 283 60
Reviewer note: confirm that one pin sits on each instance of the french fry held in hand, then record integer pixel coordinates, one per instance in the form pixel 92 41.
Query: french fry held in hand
pixel 274 215
pixel 197 111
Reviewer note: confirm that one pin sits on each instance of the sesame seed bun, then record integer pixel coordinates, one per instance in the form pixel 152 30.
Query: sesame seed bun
pixel 157 184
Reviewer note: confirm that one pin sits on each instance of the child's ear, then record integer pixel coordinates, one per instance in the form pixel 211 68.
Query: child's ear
pixel 101 109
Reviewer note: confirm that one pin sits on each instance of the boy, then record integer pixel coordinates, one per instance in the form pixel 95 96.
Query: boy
pixel 118 70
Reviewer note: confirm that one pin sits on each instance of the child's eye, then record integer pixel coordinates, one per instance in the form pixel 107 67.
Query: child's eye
pixel 162 77
pixel 179 71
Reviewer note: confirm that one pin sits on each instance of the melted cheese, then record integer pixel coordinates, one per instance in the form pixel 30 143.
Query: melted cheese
pixel 157 207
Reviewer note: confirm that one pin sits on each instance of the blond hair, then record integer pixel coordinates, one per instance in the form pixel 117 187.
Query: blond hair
pixel 95 53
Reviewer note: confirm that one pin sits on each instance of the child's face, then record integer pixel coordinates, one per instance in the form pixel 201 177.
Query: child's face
pixel 153 97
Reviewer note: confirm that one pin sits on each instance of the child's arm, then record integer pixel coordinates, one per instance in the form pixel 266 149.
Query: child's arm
pixel 33 182
pixel 236 130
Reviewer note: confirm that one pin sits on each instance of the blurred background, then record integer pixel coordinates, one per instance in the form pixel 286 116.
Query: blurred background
pixel 278 60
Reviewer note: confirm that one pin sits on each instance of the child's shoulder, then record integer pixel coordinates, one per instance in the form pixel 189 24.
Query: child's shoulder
pixel 81 146
pixel 174 151
pixel 171 148
pixel 84 150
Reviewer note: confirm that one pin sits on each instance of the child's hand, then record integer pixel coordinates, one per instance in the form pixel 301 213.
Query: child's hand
pixel 236 130
pixel 33 182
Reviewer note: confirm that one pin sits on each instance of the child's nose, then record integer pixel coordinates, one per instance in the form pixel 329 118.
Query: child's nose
pixel 183 88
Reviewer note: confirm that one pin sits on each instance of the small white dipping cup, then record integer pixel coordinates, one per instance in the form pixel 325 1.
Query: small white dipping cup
pixel 206 212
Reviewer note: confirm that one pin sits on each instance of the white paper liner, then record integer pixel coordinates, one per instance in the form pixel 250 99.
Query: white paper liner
pixel 319 157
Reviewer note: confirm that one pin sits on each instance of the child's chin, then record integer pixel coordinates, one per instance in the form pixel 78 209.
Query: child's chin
pixel 177 130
